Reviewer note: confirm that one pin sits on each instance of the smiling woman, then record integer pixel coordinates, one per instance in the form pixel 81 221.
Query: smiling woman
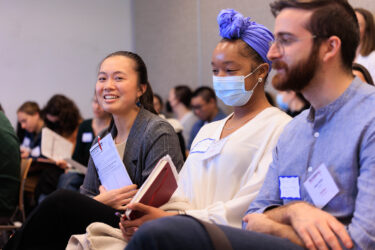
pixel 141 138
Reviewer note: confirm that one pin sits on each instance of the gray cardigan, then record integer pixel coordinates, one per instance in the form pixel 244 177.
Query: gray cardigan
pixel 150 138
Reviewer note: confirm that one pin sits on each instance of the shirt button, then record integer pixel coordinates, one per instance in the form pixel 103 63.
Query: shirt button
pixel 309 169
pixel 316 134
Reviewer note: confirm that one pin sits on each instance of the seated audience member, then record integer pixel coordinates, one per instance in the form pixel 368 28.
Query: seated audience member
pixel 319 190
pixel 291 102
pixel 366 47
pixel 9 170
pixel 28 115
pixel 360 71
pixel 229 158
pixel 179 100
pixel 158 105
pixel 204 106
pixel 62 116
pixel 87 131
pixel 141 139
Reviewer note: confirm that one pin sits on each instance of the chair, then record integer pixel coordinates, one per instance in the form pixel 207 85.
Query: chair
pixel 25 166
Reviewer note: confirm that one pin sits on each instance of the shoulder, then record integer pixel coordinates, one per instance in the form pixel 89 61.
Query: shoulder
pixel 147 122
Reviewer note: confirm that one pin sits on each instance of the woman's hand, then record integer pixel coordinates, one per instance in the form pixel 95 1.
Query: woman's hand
pixel 62 164
pixel 128 227
pixel 25 152
pixel 117 198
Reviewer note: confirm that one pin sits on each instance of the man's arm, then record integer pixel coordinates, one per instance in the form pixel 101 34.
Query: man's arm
pixel 315 227
pixel 261 223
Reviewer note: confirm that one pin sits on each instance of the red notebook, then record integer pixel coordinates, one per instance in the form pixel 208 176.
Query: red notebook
pixel 158 187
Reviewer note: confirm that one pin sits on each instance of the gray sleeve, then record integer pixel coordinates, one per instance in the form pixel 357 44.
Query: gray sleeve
pixel 161 140
pixel 91 183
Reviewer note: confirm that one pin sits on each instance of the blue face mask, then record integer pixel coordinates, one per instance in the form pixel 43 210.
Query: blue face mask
pixel 282 105
pixel 231 89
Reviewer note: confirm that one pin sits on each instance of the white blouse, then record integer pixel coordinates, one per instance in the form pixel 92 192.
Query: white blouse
pixel 222 176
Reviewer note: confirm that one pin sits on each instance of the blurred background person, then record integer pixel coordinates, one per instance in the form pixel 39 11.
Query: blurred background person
pixel 204 106
pixel 158 105
pixel 62 116
pixel 291 102
pixel 87 132
pixel 179 100
pixel 360 71
pixel 366 48
pixel 29 118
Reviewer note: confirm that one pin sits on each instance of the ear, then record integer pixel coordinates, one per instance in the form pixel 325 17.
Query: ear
pixel 331 48
pixel 263 71
pixel 142 89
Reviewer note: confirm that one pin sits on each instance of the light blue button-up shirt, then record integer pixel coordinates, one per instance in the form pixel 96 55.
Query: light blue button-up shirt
pixel 342 136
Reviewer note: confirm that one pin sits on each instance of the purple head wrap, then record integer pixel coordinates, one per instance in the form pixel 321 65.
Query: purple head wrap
pixel 234 26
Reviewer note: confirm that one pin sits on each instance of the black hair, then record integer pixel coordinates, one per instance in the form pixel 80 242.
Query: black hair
pixel 205 92
pixel 183 94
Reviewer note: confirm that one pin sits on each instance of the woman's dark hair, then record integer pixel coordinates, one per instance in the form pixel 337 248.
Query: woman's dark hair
pixel 30 108
pixel 368 42
pixel 67 113
pixel 183 94
pixel 146 99
pixel 329 18
pixel 159 99
pixel 364 71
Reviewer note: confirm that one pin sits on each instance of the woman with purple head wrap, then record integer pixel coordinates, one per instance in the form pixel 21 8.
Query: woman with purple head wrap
pixel 242 39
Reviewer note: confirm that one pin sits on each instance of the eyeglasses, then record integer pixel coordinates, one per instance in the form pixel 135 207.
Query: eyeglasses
pixel 286 40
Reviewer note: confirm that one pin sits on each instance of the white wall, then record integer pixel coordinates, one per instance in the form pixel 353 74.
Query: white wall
pixel 49 47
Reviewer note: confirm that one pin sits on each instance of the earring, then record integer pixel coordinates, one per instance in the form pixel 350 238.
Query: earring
pixel 138 103
pixel 260 79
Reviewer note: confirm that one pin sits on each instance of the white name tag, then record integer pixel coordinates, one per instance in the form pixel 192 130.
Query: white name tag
pixel 35 152
pixel 289 187
pixel 26 142
pixel 202 146
pixel 87 137
pixel 321 186
pixel 214 149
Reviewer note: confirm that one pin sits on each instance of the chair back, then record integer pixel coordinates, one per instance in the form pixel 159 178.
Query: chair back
pixel 25 166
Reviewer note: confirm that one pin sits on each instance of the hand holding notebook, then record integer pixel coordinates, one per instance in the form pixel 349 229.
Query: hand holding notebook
pixel 158 187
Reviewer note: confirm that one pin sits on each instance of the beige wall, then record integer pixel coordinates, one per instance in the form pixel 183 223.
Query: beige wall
pixel 49 47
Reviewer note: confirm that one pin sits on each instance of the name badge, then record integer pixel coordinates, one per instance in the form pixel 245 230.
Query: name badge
pixel 35 152
pixel 214 149
pixel 202 146
pixel 289 187
pixel 26 142
pixel 321 186
pixel 87 137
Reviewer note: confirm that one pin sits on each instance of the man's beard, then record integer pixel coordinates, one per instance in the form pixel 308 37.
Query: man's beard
pixel 297 77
